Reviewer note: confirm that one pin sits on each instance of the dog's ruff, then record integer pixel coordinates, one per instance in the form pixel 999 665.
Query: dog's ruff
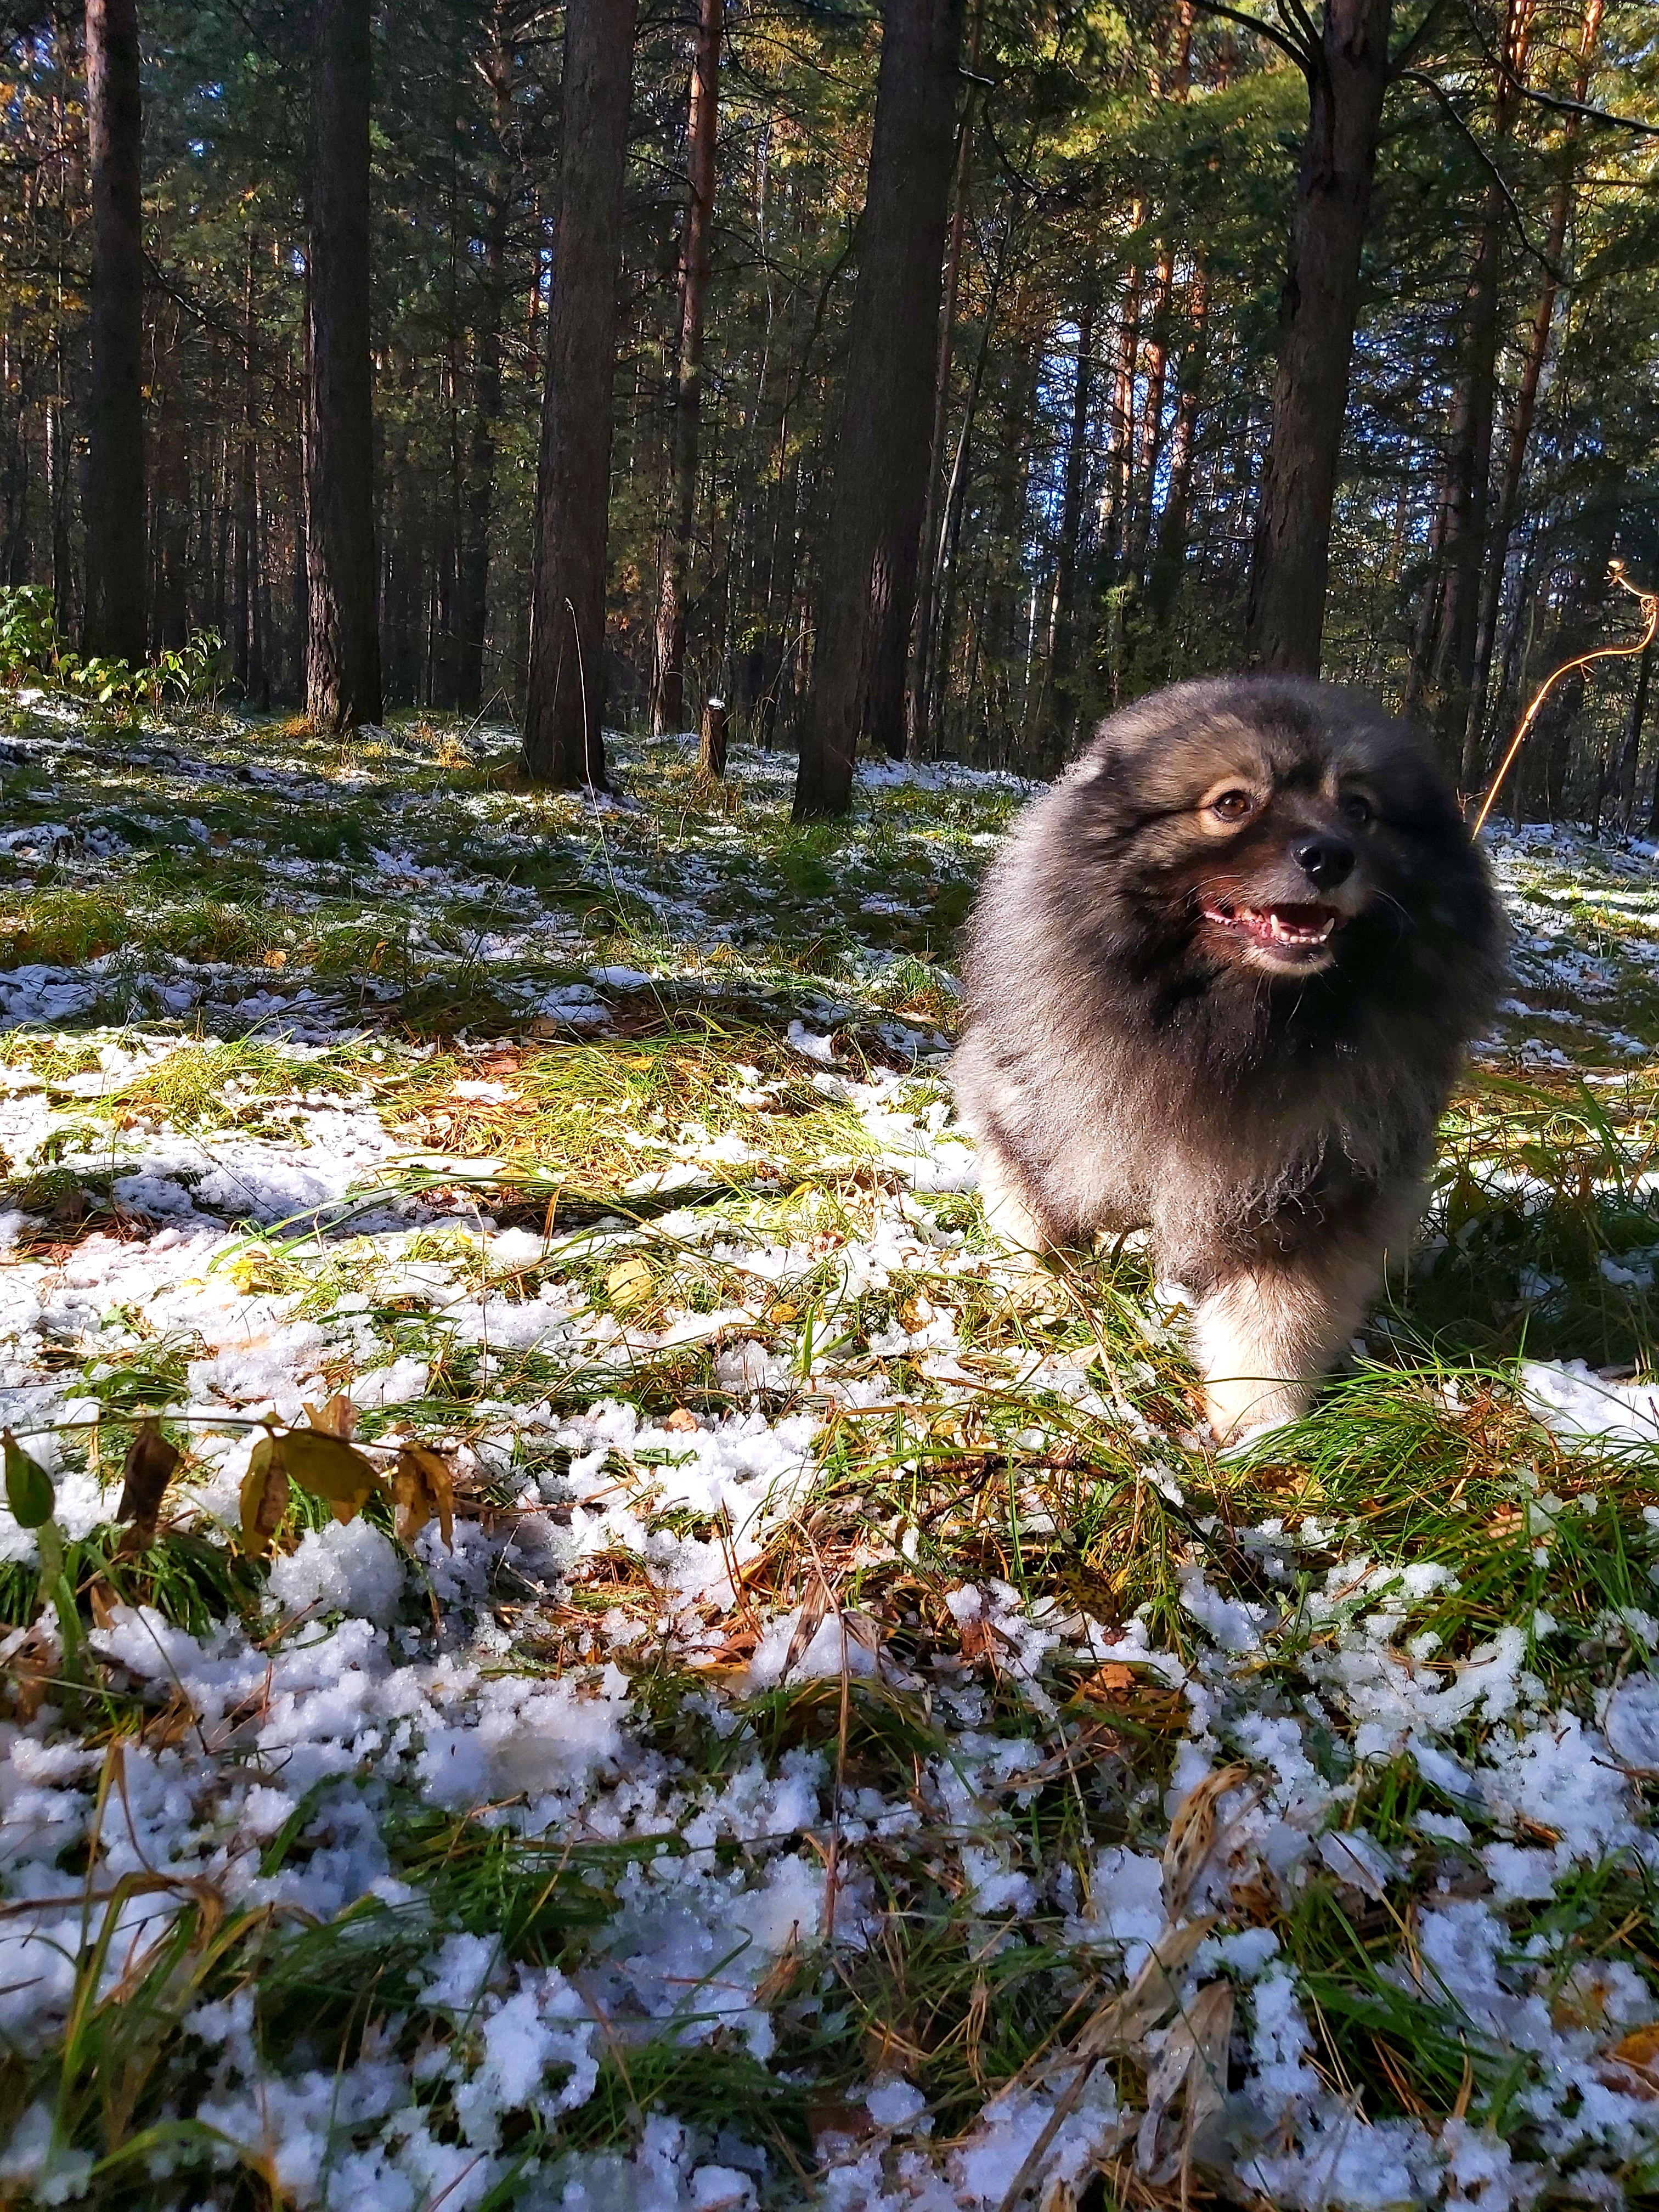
pixel 1218 984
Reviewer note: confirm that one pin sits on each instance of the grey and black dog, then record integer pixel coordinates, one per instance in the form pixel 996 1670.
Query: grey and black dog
pixel 1218 984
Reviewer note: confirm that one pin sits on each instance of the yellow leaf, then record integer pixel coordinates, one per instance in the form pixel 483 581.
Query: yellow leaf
pixel 277 958
pixel 628 1284
pixel 328 1466
pixel 264 1496
pixel 421 1485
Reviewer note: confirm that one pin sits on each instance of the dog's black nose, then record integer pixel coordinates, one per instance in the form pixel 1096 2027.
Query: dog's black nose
pixel 1325 861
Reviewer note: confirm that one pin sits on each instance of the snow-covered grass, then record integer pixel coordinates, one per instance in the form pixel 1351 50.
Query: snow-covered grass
pixel 862 1749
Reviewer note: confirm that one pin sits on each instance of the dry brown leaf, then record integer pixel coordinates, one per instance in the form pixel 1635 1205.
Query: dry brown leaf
pixel 30 1674
pixel 682 1421
pixel 1194 2059
pixel 815 1606
pixel 1192 1835
pixel 977 1639
pixel 1121 2023
pixel 145 1475
pixel 423 1486
pixel 264 1496
pixel 1640 2049
pixel 1125 2022
pixel 276 957
pixel 338 1417
pixel 1110 1680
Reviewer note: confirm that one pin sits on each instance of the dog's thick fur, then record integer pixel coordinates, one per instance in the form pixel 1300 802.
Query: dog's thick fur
pixel 1157 1034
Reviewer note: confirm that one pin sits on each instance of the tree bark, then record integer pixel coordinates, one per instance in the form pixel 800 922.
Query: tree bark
pixel 564 705
pixel 668 674
pixel 1630 753
pixel 1057 714
pixel 1525 397
pixel 472 580
pixel 116 555
pixel 1117 493
pixel 1468 459
pixel 1318 308
pixel 919 675
pixel 343 644
pixel 867 583
pixel 1169 559
pixel 956 493
pixel 243 556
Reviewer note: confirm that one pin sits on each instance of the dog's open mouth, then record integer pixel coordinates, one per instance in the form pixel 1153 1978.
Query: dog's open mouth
pixel 1278 929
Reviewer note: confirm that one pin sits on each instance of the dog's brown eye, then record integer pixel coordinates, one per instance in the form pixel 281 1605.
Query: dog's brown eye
pixel 1358 808
pixel 1231 805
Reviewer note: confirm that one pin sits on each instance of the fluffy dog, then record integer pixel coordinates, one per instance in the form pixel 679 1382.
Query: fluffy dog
pixel 1218 983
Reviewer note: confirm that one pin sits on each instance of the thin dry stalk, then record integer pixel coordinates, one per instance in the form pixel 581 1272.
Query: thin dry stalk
pixel 1649 602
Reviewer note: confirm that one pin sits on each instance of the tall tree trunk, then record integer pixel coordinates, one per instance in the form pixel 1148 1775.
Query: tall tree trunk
pixel 58 490
pixel 564 704
pixel 1630 752
pixel 867 583
pixel 1150 442
pixel 1525 397
pixel 472 582
pixel 1468 460
pixel 1163 584
pixel 1584 604
pixel 116 565
pixel 668 674
pixel 343 644
pixel 956 495
pixel 1117 494
pixel 1057 714
pixel 1285 619
pixel 919 675
pixel 243 556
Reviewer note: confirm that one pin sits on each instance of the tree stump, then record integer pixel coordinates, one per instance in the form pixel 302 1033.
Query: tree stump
pixel 711 757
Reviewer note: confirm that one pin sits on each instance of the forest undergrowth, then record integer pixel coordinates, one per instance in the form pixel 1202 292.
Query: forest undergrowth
pixel 825 1727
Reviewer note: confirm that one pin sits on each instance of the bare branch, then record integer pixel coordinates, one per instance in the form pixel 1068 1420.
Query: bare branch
pixel 1306 59
pixel 1428 84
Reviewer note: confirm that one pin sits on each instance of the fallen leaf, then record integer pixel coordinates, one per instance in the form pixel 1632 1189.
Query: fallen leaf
pixel 629 1282
pixel 1191 1834
pixel 1193 2058
pixel 1639 2048
pixel 264 1496
pixel 682 1421
pixel 817 1604
pixel 28 1486
pixel 1110 1680
pixel 423 1486
pixel 276 958
pixel 145 1474
pixel 338 1417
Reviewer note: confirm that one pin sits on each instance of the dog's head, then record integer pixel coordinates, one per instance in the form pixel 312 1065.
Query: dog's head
pixel 1271 824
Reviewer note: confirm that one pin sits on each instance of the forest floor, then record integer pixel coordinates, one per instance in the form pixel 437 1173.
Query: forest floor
pixel 859 1748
